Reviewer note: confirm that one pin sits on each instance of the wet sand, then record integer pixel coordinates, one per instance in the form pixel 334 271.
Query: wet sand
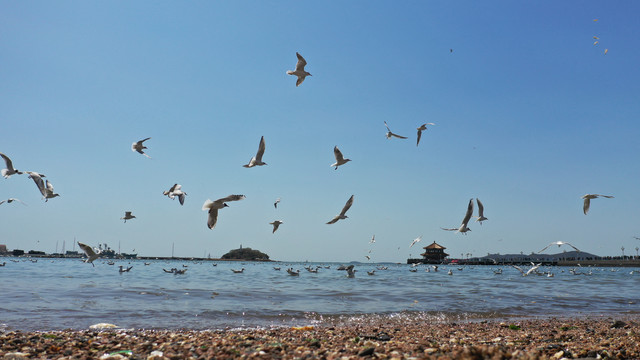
pixel 591 338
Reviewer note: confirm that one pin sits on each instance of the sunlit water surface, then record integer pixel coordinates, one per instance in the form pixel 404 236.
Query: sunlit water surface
pixel 67 293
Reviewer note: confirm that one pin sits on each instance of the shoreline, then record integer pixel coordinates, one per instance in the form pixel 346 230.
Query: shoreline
pixel 553 338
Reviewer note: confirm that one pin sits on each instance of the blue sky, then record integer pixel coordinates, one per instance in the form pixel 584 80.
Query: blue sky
pixel 529 115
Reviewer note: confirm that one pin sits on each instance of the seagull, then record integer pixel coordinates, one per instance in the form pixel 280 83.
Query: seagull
pixel 176 190
pixel 238 271
pixel 340 160
pixel 293 273
pixel 10 200
pixel 49 193
pixel 214 206
pixel 351 272
pixel 45 187
pixel 587 200
pixel 9 170
pixel 368 257
pixel 559 243
pixel 422 127
pixel 276 224
pixel 122 269
pixel 88 250
pixel 342 214
pixel 372 272
pixel 257 160
pixel 463 227
pixel 275 204
pixel 390 134
pixel 373 239
pixel 416 240
pixel 481 217
pixel 299 71
pixel 127 216
pixel 450 272
pixel 138 146
pixel 533 268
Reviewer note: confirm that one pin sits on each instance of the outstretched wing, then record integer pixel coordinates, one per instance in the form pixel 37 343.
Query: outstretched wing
pixel 7 161
pixel 347 206
pixel 338 154
pixel 585 206
pixel 87 249
pixel 467 216
pixel 261 149
pixel 480 208
pixel 231 198
pixel 213 218
pixel 300 64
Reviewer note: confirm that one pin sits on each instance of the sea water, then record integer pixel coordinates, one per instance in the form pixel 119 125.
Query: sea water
pixel 55 294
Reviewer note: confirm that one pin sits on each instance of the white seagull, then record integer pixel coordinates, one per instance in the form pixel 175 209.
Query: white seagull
pixel 10 200
pixel 416 240
pixel 275 204
pixel 463 227
pixel 276 224
pixel 340 160
pixel 351 272
pixel 587 201
pixel 176 190
pixel 422 127
pixel 559 243
pixel 45 187
pixel 49 193
pixel 533 268
pixel 342 214
pixel 9 170
pixel 299 71
pixel 257 160
pixel 214 206
pixel 480 217
pixel 373 239
pixel 139 147
pixel 390 134
pixel 91 254
pixel 127 216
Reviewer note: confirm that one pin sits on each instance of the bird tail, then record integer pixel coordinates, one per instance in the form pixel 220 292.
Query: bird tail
pixel 207 205
pixel 4 172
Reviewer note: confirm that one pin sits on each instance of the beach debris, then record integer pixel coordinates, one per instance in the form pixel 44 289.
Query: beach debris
pixel 157 355
pixel 302 328
pixel 103 326
pixel 16 356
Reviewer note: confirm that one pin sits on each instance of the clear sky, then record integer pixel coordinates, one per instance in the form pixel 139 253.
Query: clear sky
pixel 530 115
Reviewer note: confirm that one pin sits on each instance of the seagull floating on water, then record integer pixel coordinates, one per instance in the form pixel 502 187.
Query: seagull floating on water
pixel 340 160
pixel 9 170
pixel 480 217
pixel 463 227
pixel 420 129
pixel 122 269
pixel 127 216
pixel 559 243
pixel 390 134
pixel 276 224
pixel 238 271
pixel 214 206
pixel 299 71
pixel 139 147
pixel 91 254
pixel 587 200
pixel 257 160
pixel 176 190
pixel 343 213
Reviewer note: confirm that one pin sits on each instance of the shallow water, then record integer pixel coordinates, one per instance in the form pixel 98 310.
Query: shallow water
pixel 57 294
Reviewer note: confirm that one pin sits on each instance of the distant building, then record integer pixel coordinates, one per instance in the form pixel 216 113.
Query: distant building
pixel 3 249
pixel 434 253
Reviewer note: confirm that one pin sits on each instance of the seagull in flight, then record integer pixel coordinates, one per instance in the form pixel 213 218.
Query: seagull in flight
pixel 373 239
pixel 463 227
pixel 257 160
pixel 9 170
pixel 275 204
pixel 343 213
pixel 480 217
pixel 340 160
pixel 214 206
pixel 276 224
pixel 139 147
pixel 10 200
pixel 299 71
pixel 416 240
pixel 45 187
pixel 559 243
pixel 390 134
pixel 422 127
pixel 127 216
pixel 88 250
pixel 533 268
pixel 176 190
pixel 587 200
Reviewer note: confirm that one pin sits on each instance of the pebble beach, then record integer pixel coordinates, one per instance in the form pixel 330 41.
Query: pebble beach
pixel 588 338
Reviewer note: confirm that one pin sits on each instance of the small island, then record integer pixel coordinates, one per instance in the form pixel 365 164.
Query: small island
pixel 245 254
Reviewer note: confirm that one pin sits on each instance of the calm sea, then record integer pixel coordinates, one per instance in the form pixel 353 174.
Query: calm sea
pixel 54 294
